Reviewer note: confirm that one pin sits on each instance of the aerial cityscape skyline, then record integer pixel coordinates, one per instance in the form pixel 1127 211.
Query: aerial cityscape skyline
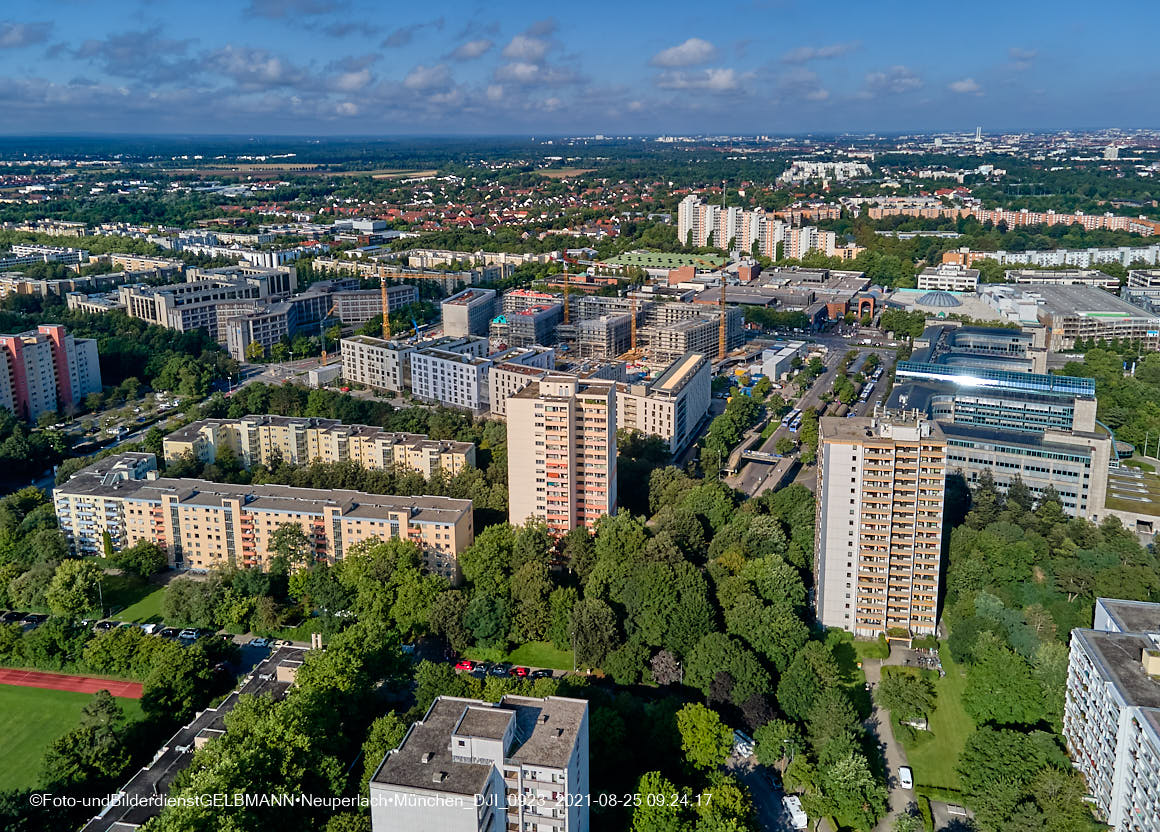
pixel 348 68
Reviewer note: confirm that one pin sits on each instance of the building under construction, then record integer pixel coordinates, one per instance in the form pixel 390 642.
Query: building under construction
pixel 527 327
pixel 677 328
pixel 604 337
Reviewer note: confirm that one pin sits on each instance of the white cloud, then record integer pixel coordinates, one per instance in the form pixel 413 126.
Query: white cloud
pixel 472 49
pixel 526 48
pixel 522 72
pixel 690 53
pixel 965 86
pixel 352 81
pixel 895 80
pixel 804 54
pixel 711 80
pixel 1022 58
pixel 14 35
pixel 254 68
pixel 427 78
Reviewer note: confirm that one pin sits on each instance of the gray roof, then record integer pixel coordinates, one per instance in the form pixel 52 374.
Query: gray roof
pixel 1133 616
pixel 1118 656
pixel 939 298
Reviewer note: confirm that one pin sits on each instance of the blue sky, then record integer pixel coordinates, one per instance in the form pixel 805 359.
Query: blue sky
pixel 351 67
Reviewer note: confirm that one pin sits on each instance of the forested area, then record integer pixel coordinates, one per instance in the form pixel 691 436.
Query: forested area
pixel 1022 575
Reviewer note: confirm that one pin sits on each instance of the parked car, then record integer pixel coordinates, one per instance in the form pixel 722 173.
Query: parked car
pixel 188 634
pixel 168 632
pixel 503 669
pixel 101 626
pixel 905 777
pixel 34 620
pixel 12 617
pixel 520 672
pixel 483 669
pixel 542 673
pixel 259 642
pixel 466 665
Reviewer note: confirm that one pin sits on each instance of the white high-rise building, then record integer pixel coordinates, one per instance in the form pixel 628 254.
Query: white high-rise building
pixel 878 544
pixel 1111 716
pixel 47 369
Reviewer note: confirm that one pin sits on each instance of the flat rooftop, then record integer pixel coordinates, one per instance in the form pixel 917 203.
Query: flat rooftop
pixel 678 373
pixel 545 733
pixel 1118 655
pixel 667 260
pixel 1133 616
pixel 469 296
pixel 419 509
pixel 1081 301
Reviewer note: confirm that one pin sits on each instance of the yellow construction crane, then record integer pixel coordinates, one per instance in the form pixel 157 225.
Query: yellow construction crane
pixel 386 313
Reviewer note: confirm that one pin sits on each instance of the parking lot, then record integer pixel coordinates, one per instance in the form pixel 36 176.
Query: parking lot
pixel 503 670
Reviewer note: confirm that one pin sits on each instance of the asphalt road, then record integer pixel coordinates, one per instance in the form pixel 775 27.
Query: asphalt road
pixel 755 474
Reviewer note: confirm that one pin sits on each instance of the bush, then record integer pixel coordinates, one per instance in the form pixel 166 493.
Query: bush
pixel 924 810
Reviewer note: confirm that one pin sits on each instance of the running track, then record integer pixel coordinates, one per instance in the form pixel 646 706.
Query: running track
pixel 76 684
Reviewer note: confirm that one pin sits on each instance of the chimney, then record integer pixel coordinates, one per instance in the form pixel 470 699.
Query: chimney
pixel 1150 659
pixel 438 777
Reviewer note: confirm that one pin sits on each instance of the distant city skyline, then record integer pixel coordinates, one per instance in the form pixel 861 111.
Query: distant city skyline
pixel 350 67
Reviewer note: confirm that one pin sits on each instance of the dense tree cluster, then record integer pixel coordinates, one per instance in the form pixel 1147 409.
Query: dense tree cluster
pixel 1022 575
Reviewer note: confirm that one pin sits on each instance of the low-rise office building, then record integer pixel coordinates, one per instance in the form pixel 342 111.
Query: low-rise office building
pixel 468 313
pixel 1063 277
pixel 1111 715
pixel 357 306
pixel 777 363
pixel 948 278
pixel 255 440
pixel 670 407
pixel 202 525
pixel 475 766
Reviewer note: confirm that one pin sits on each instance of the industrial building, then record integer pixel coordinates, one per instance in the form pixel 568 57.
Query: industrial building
pixel 881 490
pixel 1111 715
pixel 202 525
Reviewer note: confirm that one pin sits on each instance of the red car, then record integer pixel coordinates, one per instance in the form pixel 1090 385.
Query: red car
pixel 466 664
pixel 520 672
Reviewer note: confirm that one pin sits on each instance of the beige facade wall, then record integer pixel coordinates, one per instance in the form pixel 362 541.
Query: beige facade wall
pixel 562 452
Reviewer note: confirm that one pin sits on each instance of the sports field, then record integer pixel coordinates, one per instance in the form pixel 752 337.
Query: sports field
pixel 67 682
pixel 33 718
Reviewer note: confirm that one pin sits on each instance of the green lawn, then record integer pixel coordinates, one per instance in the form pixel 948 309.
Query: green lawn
pixel 129 598
pixel 36 717
pixel 934 759
pixel 532 654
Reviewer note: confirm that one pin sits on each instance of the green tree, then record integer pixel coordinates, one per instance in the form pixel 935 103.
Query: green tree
pixel 385 733
pixel 656 809
pixel 92 753
pixel 594 631
pixel 291 542
pixel 143 558
pixel 705 739
pixel 905 695
pixel 73 590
